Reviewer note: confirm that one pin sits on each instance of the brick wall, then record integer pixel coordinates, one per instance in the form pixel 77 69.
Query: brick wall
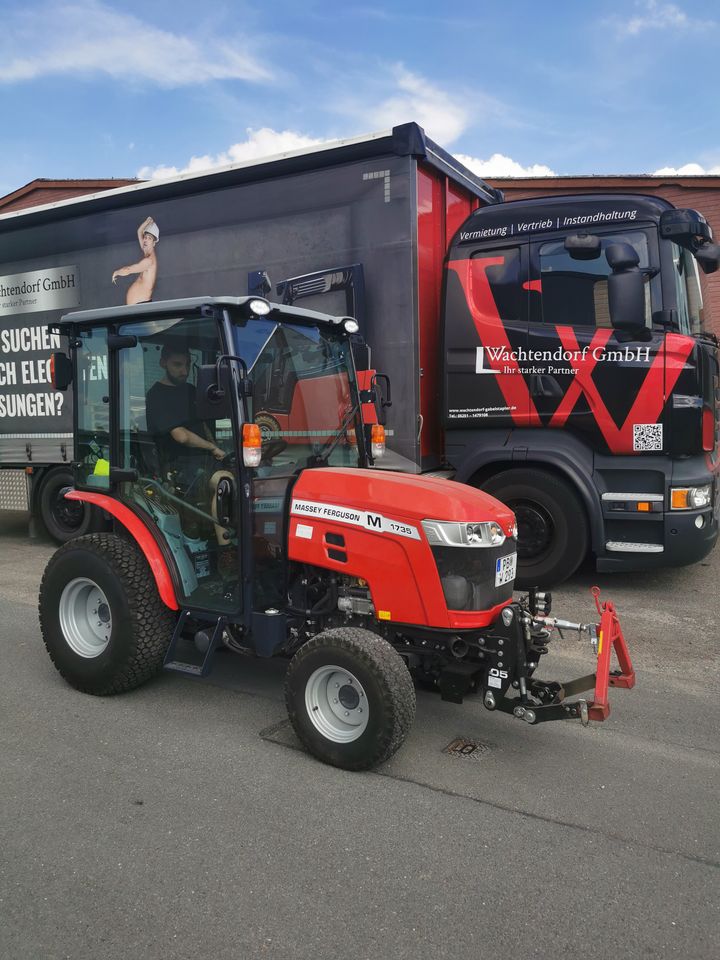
pixel 699 193
pixel 39 192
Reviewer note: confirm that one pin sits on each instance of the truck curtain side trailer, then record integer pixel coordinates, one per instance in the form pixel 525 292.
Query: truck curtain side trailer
pixel 498 341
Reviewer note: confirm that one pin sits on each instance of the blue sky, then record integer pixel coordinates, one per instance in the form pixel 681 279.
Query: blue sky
pixel 99 88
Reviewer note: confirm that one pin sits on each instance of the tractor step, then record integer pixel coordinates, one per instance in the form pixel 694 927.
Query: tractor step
pixel 193 656
pixel 195 670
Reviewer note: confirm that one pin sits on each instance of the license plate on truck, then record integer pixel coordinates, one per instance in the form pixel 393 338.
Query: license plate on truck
pixel 505 569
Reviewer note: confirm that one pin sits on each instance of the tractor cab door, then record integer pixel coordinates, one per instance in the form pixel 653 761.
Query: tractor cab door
pixel 178 470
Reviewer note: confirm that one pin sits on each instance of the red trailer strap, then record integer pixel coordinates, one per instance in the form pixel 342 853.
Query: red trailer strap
pixel 610 636
pixel 142 537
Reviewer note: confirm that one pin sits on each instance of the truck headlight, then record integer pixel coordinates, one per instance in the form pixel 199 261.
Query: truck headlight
pixel 449 534
pixel 690 498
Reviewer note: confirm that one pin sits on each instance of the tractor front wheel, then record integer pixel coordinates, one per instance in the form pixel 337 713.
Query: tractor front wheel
pixel 101 617
pixel 350 698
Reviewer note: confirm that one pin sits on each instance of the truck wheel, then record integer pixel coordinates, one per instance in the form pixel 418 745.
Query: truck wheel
pixel 350 698
pixel 65 519
pixel 101 617
pixel 552 527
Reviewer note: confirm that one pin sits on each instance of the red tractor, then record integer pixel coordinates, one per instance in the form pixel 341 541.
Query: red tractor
pixel 236 449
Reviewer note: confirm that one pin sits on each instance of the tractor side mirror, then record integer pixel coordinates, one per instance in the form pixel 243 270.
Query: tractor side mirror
pixel 61 371
pixel 383 398
pixel 626 288
pixel 212 399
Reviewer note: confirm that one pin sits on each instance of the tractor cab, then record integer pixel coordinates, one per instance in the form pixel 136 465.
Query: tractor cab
pixel 197 415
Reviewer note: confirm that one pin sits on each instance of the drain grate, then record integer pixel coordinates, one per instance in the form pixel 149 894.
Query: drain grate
pixel 466 748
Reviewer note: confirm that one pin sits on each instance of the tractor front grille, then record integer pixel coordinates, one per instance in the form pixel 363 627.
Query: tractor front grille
pixel 468 576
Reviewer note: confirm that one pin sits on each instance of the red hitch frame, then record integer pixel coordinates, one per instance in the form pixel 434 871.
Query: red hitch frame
pixel 610 636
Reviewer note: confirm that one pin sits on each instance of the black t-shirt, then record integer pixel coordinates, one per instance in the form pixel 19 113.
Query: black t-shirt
pixel 169 406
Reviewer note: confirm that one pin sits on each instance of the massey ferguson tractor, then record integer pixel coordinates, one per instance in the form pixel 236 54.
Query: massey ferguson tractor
pixel 236 452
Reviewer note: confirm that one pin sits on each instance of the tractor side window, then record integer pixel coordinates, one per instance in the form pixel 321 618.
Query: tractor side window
pixel 93 410
pixel 575 292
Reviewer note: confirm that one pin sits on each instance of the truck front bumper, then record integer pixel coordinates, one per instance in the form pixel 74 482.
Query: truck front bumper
pixel 685 537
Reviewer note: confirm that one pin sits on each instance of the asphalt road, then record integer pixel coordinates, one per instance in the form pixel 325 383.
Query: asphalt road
pixel 183 820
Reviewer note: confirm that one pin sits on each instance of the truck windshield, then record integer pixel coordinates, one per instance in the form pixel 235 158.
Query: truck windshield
pixel 304 395
pixel 688 292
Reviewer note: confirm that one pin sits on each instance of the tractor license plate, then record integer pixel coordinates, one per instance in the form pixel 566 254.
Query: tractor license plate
pixel 505 569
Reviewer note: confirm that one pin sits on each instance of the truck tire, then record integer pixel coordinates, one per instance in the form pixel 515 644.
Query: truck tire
pixel 350 698
pixel 64 519
pixel 101 617
pixel 552 526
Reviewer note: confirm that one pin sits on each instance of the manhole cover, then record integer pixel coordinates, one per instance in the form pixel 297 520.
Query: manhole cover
pixel 464 747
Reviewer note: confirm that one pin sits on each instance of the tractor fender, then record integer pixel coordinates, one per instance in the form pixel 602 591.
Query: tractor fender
pixel 142 537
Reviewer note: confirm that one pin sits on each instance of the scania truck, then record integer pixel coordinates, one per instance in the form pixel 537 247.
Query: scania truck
pixel 551 352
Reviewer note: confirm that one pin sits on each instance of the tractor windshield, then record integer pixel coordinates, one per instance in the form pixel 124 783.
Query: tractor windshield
pixel 304 396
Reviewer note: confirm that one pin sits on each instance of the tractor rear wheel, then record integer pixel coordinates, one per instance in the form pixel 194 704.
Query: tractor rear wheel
pixel 350 698
pixel 101 617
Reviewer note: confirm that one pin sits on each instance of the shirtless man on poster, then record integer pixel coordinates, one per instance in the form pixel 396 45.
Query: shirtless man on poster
pixel 141 289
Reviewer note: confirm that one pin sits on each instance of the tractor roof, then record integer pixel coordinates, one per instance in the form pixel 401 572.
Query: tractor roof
pixel 171 308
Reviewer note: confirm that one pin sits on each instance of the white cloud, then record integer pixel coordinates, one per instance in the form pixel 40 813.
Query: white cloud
pixel 259 143
pixel 688 170
pixel 417 99
pixel 659 16
pixel 501 166
pixel 87 37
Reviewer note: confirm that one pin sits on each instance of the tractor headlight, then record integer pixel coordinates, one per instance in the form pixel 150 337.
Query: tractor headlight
pixel 690 498
pixel 450 534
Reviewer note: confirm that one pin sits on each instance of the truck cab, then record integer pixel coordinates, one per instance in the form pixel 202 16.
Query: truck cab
pixel 580 384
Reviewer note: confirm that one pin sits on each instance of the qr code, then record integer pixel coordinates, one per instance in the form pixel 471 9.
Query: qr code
pixel 647 436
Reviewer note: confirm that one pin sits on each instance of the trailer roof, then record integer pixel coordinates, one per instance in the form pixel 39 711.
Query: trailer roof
pixel 409 139
pixel 126 314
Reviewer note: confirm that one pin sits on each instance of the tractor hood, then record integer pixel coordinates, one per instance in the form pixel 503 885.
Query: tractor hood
pixel 402 496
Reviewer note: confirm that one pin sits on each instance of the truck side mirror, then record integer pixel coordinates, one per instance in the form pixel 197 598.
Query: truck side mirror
pixel 708 256
pixel 583 246
pixel 626 288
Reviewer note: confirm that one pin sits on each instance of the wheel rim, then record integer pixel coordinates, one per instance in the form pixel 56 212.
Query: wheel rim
pixel 535 529
pixel 67 514
pixel 336 704
pixel 85 618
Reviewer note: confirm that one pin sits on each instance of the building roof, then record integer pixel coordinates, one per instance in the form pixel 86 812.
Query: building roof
pixel 613 181
pixel 41 191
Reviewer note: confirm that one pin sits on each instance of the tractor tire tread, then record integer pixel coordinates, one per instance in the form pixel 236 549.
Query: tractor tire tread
pixel 381 660
pixel 153 622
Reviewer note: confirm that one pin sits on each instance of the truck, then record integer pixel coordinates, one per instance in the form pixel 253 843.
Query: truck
pixel 227 537
pixel 551 352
